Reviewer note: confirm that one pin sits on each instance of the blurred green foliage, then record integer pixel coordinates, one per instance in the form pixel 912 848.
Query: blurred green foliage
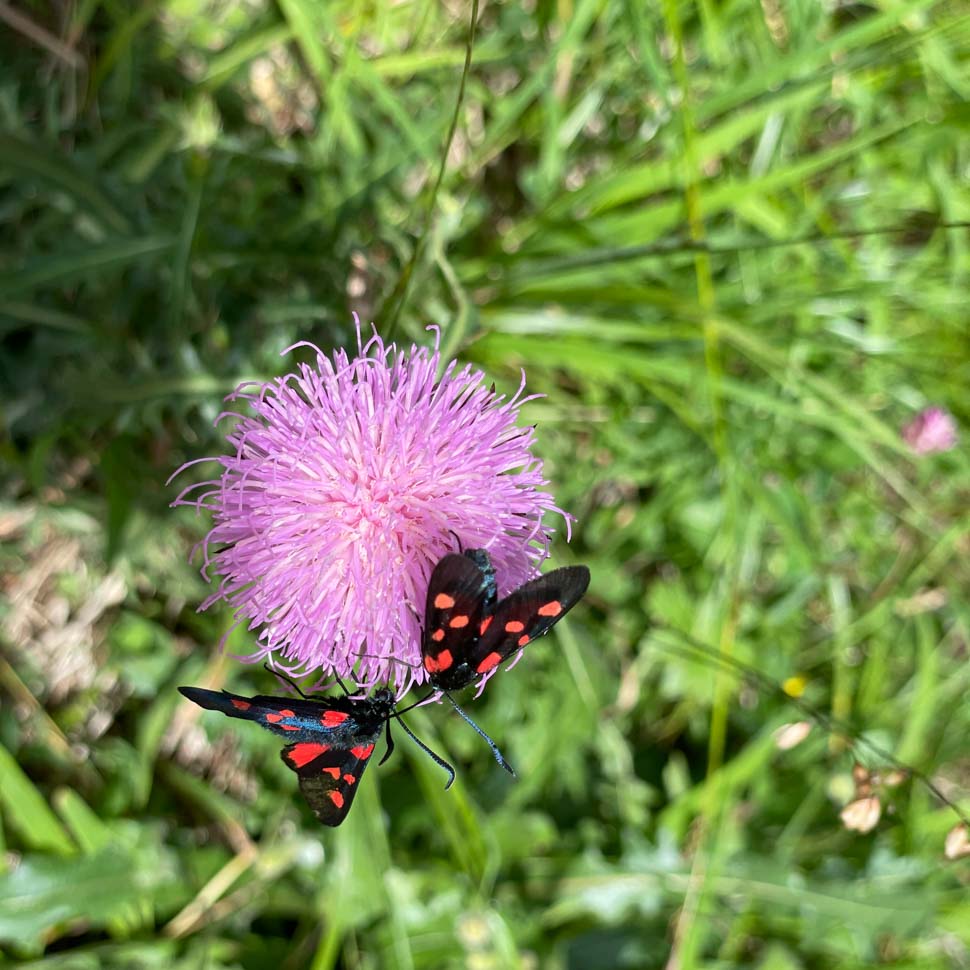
pixel 712 233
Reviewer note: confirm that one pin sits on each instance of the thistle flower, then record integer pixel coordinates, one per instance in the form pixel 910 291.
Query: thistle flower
pixel 345 483
pixel 933 429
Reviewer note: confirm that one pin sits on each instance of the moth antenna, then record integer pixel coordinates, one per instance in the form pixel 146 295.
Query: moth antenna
pixel 495 751
pixel 457 540
pixel 437 759
pixel 289 680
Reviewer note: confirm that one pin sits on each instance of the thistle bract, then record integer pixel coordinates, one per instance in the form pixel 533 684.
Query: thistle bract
pixel 345 483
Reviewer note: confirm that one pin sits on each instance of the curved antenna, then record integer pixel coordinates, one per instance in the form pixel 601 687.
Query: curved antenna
pixel 495 751
pixel 444 764
pixel 437 759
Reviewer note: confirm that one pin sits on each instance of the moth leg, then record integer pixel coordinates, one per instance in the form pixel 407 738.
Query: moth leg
pixel 390 744
pixel 291 682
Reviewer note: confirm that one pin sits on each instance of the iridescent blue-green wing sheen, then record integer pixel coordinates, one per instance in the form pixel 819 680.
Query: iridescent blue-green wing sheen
pixel 297 719
pixel 330 739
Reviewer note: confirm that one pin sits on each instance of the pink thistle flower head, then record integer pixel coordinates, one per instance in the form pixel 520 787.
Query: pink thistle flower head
pixel 345 483
pixel 932 430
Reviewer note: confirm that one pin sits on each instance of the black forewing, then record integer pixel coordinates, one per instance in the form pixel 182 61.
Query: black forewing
pixel 483 561
pixel 338 719
pixel 526 614
pixel 457 594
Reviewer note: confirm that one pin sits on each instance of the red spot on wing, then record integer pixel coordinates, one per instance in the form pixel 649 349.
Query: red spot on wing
pixel 350 779
pixel 336 798
pixel 444 602
pixel 274 717
pixel 514 626
pixel 489 662
pixel 333 718
pixel 333 772
pixel 303 754
pixel 362 751
pixel 524 640
pixel 457 622
pixel 438 636
pixel 240 704
pixel 551 609
pixel 442 662
pixel 486 623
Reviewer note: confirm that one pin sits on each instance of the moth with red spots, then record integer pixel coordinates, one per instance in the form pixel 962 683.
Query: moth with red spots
pixel 468 631
pixel 330 740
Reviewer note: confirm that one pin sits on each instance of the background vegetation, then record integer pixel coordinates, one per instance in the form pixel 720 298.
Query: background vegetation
pixel 712 234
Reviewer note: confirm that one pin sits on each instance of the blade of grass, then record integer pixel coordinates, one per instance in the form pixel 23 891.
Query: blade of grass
pixel 65 267
pixel 27 811
pixel 36 161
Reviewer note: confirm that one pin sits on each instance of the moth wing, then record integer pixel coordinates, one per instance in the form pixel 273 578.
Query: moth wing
pixel 219 700
pixel 329 777
pixel 457 593
pixel 526 614
pixel 268 712
pixel 287 717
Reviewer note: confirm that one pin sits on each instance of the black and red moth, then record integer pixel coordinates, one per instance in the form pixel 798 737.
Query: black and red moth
pixel 330 740
pixel 468 631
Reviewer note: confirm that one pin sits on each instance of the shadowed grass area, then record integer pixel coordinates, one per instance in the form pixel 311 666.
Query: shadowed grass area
pixel 728 243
